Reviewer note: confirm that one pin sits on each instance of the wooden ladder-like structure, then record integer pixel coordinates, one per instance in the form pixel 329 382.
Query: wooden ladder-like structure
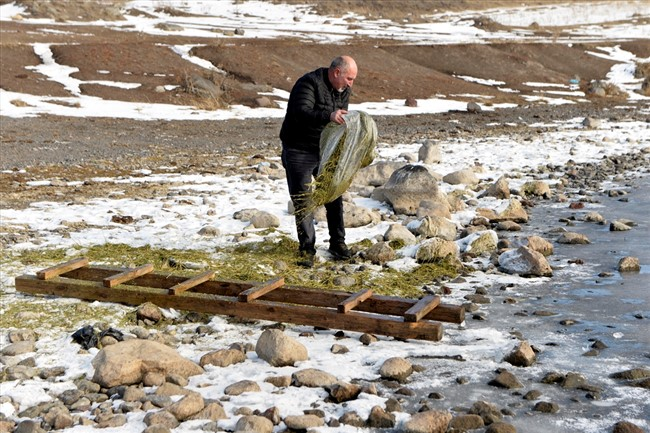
pixel 270 300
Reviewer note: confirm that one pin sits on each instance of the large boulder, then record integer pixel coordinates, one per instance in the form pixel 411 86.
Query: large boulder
pixel 436 227
pixel 525 262
pixel 408 186
pixel 279 350
pixel 465 176
pixel 429 153
pixel 376 174
pixel 513 211
pixel 127 362
pixel 479 242
pixel 435 250
pixel 430 421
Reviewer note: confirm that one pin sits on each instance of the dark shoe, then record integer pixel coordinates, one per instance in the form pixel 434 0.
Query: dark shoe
pixel 340 251
pixel 307 259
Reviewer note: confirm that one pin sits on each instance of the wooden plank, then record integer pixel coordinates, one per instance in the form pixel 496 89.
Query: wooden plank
pixel 354 301
pixel 380 304
pixel 191 283
pixel 207 303
pixel 260 290
pixel 423 306
pixel 62 268
pixel 127 275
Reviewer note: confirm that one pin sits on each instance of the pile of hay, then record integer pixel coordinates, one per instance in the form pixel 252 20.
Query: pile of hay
pixel 344 149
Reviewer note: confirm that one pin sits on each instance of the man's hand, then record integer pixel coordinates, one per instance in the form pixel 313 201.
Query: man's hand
pixel 337 116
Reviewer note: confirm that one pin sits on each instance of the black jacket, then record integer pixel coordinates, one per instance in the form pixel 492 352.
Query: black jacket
pixel 311 102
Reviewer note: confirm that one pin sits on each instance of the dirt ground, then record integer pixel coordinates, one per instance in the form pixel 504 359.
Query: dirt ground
pixel 79 148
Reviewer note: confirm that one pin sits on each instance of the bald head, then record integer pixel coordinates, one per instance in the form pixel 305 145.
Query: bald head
pixel 342 72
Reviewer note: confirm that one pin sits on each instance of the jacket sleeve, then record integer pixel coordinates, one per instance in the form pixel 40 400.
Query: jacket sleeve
pixel 303 104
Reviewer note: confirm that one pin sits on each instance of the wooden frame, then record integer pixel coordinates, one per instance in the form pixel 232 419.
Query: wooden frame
pixel 270 300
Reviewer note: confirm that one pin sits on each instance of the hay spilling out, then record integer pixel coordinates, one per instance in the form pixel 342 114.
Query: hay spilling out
pixel 344 149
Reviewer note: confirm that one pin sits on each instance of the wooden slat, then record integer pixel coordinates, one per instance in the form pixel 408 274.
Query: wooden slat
pixel 62 268
pixel 423 306
pixel 191 283
pixel 207 303
pixel 354 300
pixel 127 275
pixel 260 290
pixel 380 304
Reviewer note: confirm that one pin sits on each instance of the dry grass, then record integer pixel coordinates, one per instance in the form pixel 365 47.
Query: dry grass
pixel 75 10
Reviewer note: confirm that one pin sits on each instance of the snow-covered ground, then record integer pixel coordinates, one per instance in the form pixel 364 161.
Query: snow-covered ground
pixel 175 222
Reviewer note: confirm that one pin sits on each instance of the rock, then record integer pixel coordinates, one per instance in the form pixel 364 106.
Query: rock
pixel 594 217
pixel 399 232
pixel 379 418
pixel 17 335
pixel 353 419
pixel 157 428
pixel 532 395
pixel 514 211
pixel 629 264
pixel 465 176
pixel 241 387
pixel 434 208
pixel 313 378
pixel 525 262
pixel 590 122
pixel 430 421
pixel 618 226
pixel 367 339
pixel 546 407
pixel 633 374
pixel 411 102
pixel 263 220
pixel 540 245
pixel 133 393
pixel 429 153
pixel 209 231
pixel 435 250
pixel 18 348
pixel 127 362
pixel 303 422
pixel 263 102
pixel 474 108
pixel 573 238
pixel 408 186
pixel 279 381
pixel 487 411
pixel 466 422
pixel 162 418
pixel 535 188
pixel 522 356
pixel 253 424
pixel 376 174
pixel 187 406
pixel 499 189
pixel 149 311
pixel 339 349
pixel 343 391
pixel 380 253
pixel 479 243
pixel 279 350
pixel 29 426
pixel 626 427
pixel 507 380
pixel 501 427
pixel 509 226
pixel 223 358
pixel 396 368
pixel 436 227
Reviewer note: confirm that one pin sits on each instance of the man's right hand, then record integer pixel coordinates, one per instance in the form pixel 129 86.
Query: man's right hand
pixel 337 116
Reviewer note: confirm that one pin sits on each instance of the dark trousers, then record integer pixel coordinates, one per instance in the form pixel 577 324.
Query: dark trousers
pixel 300 166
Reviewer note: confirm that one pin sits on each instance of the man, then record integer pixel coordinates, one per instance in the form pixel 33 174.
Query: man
pixel 317 98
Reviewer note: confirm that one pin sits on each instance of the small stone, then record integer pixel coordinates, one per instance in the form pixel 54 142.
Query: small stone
pixel 629 264
pixel 546 407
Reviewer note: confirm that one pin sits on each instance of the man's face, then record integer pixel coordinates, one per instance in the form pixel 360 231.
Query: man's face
pixel 344 78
